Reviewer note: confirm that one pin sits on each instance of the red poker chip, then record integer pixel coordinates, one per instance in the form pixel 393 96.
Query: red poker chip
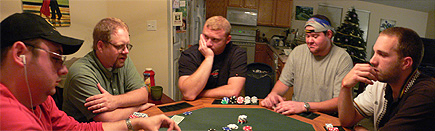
pixel 240 100
pixel 247 128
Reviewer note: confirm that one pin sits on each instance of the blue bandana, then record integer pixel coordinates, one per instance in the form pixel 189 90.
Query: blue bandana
pixel 319 25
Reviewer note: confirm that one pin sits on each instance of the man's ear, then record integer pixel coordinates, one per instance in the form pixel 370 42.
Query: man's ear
pixel 330 34
pixel 407 63
pixel 100 45
pixel 228 39
pixel 18 51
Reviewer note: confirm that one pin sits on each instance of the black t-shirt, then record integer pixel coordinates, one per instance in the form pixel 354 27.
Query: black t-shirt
pixel 230 63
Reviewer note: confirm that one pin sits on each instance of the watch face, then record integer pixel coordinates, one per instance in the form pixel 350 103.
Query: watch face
pixel 307 106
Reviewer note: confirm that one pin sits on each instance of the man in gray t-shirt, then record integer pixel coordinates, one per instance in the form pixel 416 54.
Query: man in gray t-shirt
pixel 315 71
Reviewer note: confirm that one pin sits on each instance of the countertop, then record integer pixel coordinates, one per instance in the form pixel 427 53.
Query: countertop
pixel 277 51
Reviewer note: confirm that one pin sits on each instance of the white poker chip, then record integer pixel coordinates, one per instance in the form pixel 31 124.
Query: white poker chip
pixel 233 126
pixel 254 99
pixel 329 125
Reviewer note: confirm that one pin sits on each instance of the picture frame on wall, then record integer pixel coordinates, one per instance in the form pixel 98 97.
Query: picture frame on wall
pixel 56 12
pixel 385 24
pixel 303 13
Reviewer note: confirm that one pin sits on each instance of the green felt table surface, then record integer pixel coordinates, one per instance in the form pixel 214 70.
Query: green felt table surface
pixel 259 119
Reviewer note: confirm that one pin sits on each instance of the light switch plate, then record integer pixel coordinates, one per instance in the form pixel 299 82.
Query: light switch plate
pixel 151 25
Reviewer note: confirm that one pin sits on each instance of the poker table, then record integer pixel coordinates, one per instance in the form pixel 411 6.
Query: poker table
pixel 206 115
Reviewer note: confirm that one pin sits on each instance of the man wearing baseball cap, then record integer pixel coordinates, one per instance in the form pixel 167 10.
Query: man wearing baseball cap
pixel 32 56
pixel 314 70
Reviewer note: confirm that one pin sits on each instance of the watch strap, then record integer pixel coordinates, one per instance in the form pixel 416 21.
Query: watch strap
pixel 129 126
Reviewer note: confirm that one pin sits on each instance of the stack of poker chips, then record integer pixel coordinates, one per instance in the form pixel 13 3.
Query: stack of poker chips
pixel 233 100
pixel 247 128
pixel 330 127
pixel 226 128
pixel 247 100
pixel 137 115
pixel 233 126
pixel 187 113
pixel 225 100
pixel 254 100
pixel 243 119
pixel 240 100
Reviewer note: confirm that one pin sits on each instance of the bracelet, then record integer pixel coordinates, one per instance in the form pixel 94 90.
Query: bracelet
pixel 129 126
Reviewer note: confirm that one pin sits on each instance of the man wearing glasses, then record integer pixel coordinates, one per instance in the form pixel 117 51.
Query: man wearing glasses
pixel 104 85
pixel 31 65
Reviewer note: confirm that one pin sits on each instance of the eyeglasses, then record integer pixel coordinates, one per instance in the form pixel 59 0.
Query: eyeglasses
pixel 59 59
pixel 121 48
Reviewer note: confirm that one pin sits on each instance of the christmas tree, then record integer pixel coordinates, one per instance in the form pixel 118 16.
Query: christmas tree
pixel 349 37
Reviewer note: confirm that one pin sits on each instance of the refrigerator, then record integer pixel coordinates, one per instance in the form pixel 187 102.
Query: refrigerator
pixel 193 19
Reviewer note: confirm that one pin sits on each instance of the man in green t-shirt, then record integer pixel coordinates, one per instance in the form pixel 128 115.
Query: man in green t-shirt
pixel 104 85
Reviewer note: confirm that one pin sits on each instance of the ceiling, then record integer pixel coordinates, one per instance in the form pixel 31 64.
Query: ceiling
pixel 418 5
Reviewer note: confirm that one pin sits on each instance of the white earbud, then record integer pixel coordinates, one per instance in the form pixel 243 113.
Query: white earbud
pixel 24 58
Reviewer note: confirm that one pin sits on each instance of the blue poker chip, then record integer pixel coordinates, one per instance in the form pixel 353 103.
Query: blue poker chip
pixel 187 113
pixel 225 100
pixel 226 128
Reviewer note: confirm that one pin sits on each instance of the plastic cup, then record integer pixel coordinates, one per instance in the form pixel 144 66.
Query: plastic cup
pixel 156 92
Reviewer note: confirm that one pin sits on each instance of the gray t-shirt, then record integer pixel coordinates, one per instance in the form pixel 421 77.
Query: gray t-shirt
pixel 314 78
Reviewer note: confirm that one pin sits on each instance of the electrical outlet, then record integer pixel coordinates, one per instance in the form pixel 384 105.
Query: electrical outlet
pixel 151 25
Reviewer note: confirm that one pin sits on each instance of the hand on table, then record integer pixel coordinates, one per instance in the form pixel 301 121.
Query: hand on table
pixel 360 73
pixel 154 123
pixel 102 102
pixel 290 107
pixel 205 49
pixel 271 100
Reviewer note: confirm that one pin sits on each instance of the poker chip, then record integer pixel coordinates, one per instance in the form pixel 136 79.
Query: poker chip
pixel 233 126
pixel 242 119
pixel 328 125
pixel 225 100
pixel 187 113
pixel 226 128
pixel 333 129
pixel 233 100
pixel 240 100
pixel 254 100
pixel 211 129
pixel 137 115
pixel 247 100
pixel 247 128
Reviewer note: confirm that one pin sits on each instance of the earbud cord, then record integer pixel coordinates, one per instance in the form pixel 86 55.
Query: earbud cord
pixel 28 87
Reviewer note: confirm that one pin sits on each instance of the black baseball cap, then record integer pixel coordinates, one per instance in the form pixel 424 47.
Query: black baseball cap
pixel 24 26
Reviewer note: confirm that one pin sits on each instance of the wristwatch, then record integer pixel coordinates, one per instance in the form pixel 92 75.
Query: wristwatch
pixel 129 126
pixel 307 106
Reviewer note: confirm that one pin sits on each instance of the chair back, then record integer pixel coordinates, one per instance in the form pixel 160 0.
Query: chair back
pixel 259 80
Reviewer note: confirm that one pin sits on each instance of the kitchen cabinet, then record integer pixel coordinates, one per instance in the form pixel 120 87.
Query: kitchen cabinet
pixel 216 8
pixel 252 4
pixel 275 13
pixel 264 54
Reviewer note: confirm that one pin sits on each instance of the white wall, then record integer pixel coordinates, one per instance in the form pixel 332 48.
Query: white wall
pixel 150 48
pixel 415 20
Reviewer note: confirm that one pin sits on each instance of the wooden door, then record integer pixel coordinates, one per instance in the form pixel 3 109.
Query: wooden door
pixel 265 12
pixel 283 13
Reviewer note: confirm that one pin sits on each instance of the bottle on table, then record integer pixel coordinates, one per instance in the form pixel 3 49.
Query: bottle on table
pixel 148 76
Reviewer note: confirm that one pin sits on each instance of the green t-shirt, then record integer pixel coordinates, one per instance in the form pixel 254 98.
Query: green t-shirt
pixel 82 80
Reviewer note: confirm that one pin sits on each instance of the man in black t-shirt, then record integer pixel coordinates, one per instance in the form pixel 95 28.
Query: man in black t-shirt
pixel 214 67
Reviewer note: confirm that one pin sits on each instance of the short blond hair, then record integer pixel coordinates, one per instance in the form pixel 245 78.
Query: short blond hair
pixel 218 23
pixel 104 29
